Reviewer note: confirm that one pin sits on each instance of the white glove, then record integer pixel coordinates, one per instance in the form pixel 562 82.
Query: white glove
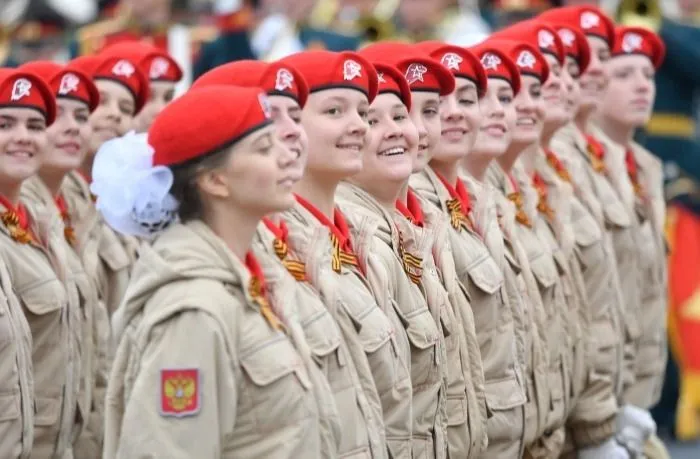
pixel 608 450
pixel 227 6
pixel 634 427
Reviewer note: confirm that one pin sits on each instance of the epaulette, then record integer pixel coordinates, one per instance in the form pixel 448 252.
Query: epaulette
pixel 90 36
pixel 203 33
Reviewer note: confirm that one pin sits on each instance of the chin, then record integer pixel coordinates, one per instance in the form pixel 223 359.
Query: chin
pixel 282 203
pixel 526 138
pixel 493 147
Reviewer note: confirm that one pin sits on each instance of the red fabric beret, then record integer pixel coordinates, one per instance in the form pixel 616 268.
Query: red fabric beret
pixel 328 70
pixel 392 81
pixel 537 34
pixel 20 88
pixel 528 59
pixel 587 18
pixel 575 45
pixel 117 69
pixel 66 82
pixel 153 62
pixel 276 78
pixel 497 63
pixel 206 120
pixel 459 61
pixel 636 40
pixel 421 72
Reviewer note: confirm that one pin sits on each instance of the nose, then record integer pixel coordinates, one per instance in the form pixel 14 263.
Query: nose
pixel 289 131
pixel 393 131
pixel 357 126
pixel 492 107
pixel 595 67
pixel 524 102
pixel 451 110
pixel 286 156
pixel 21 134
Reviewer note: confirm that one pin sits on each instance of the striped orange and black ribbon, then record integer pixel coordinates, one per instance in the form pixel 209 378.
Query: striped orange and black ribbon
pixel 516 197
pixel 341 257
pixel 596 153
pixel 457 218
pixel 296 268
pixel 256 290
pixel 412 265
pixel 556 164
pixel 68 230
pixel 633 173
pixel 542 203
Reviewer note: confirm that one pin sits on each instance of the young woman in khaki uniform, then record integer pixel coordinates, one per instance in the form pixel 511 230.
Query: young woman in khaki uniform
pixel 331 336
pixel 425 231
pixel 637 178
pixel 16 372
pixel 480 274
pixel 394 267
pixel 33 246
pixel 76 97
pixel 211 368
pixel 342 85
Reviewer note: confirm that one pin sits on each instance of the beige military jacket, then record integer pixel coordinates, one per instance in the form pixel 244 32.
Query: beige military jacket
pixel 643 200
pixel 209 361
pixel 345 290
pixel 493 318
pixel 326 341
pixel 466 396
pixel 393 273
pixel 594 404
pixel 16 374
pixel 95 334
pixel 41 278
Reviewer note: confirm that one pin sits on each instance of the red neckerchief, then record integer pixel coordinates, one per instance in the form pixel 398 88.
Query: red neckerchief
pixel 343 253
pixel 16 221
pixel 459 205
pixel 412 209
pixel 516 197
pixel 68 230
pixel 257 291
pixel 542 204
pixel 556 164
pixel 596 153
pixel 281 248
pixel 633 173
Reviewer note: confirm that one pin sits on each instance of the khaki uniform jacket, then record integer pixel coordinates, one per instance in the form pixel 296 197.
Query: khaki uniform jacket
pixel 205 372
pixel 46 289
pixel 594 404
pixel 95 334
pixel 348 294
pixel 494 218
pixel 494 324
pixel 545 287
pixel 647 214
pixel 466 396
pixel 326 343
pixel 16 374
pixel 381 249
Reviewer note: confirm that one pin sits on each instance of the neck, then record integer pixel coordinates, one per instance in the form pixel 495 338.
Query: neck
pixel 449 170
pixel 528 158
pixel 477 164
pixel 10 191
pixel 238 237
pixel 86 168
pixel 618 133
pixel 548 133
pixel 320 193
pixel 385 193
pixel 52 180
pixel 403 194
pixel 508 159
pixel 581 120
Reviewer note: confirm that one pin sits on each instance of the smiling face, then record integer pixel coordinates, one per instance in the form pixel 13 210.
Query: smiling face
pixel 425 114
pixel 286 115
pixel 460 118
pixel 529 111
pixel 114 116
pixel 555 94
pixel 23 143
pixel 594 80
pixel 161 94
pixel 335 121
pixel 497 119
pixel 68 137
pixel 630 95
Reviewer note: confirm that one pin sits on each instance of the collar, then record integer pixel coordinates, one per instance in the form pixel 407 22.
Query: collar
pixel 542 192
pixel 68 230
pixel 257 290
pixel 556 164
pixel 458 192
pixel 596 153
pixel 412 209
pixel 338 228
pixel 633 172
pixel 281 232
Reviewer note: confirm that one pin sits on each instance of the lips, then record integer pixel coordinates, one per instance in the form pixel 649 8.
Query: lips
pixel 393 151
pixel 494 130
pixel 453 134
pixel 106 132
pixel 20 154
pixel 69 147
pixel 355 147
pixel 526 121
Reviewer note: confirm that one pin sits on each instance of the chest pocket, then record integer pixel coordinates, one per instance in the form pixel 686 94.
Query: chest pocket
pixel 277 392
pixel 485 279
pixel 321 332
pixel 43 297
pixel 589 247
pixel 422 333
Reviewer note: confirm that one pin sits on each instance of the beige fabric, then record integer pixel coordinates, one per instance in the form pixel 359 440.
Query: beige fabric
pixel 191 309
pixel 349 294
pixel 494 324
pixel 328 347
pixel 43 282
pixel 95 335
pixel 380 245
pixel 16 374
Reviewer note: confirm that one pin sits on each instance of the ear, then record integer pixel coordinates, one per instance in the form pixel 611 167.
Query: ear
pixel 213 183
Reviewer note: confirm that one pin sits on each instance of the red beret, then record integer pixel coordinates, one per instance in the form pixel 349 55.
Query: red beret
pixel 206 120
pixel 528 59
pixel 392 81
pixel 118 69
pixel 460 61
pixel 153 62
pixel 575 45
pixel 421 72
pixel 328 70
pixel 66 82
pixel 497 63
pixel 277 78
pixel 537 34
pixel 587 18
pixel 636 40
pixel 19 88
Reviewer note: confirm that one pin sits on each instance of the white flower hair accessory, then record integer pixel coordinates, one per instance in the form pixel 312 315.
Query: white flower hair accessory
pixel 133 196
